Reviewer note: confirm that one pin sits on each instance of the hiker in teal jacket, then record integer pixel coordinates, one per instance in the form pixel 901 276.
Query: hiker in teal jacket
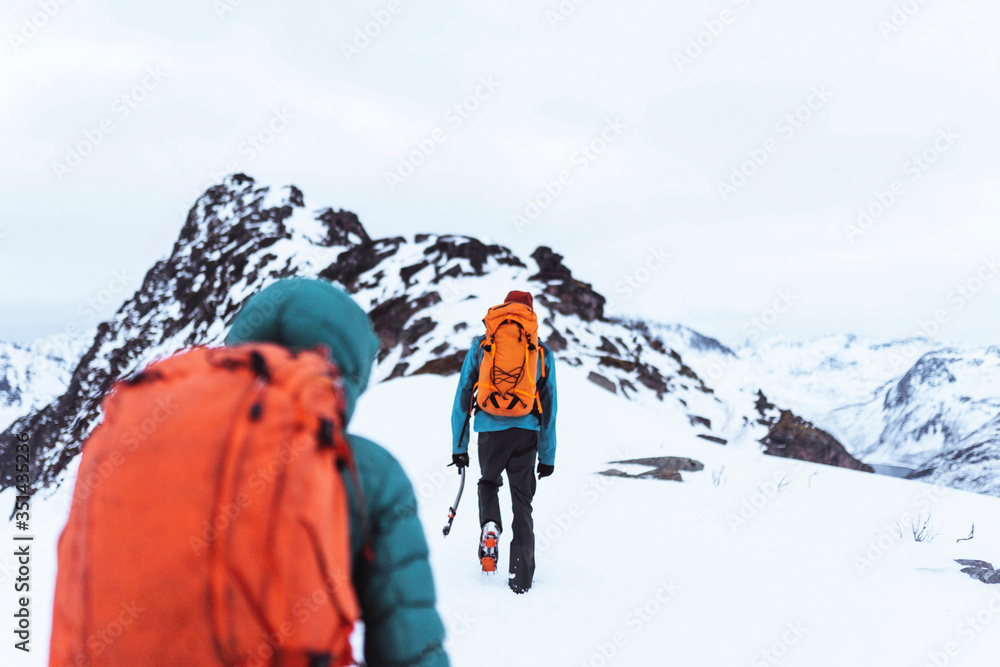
pixel 395 589
pixel 507 444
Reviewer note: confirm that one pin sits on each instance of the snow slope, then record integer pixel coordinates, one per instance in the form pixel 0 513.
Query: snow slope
pixel 34 374
pixel 806 554
pixel 751 559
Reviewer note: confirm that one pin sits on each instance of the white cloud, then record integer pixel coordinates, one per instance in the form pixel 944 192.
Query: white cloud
pixel 687 130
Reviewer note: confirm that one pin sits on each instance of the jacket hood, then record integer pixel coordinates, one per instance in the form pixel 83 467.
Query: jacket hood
pixel 301 313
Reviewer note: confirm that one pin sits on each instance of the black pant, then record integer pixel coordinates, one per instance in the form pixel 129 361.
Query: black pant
pixel 513 450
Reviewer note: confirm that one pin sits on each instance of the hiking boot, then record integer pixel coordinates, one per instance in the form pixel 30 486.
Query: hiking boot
pixel 517 586
pixel 489 547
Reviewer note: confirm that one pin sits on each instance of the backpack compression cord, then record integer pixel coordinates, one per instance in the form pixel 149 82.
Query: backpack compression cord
pixel 507 385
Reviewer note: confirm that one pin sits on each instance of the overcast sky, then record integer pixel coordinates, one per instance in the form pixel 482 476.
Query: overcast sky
pixel 833 101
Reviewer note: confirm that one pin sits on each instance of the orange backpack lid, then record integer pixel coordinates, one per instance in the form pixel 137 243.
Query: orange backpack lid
pixel 515 312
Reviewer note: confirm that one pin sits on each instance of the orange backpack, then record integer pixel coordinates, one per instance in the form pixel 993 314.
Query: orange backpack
pixel 507 385
pixel 209 523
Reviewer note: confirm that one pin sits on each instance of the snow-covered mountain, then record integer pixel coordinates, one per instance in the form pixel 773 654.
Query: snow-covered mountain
pixel 974 464
pixel 32 375
pixel 427 294
pixel 911 403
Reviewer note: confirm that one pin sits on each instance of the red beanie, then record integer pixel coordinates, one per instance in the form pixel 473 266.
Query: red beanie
pixel 520 297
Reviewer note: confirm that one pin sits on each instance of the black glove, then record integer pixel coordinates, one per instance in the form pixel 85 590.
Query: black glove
pixel 545 470
pixel 460 460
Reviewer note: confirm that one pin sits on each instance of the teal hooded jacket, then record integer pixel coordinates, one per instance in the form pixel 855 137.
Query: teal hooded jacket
pixel 396 588
pixel 545 423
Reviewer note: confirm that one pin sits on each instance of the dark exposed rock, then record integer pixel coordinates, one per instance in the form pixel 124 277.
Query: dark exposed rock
pixel 980 570
pixel 556 342
pixel 764 408
pixel 602 381
pixel 473 250
pixel 414 333
pixel 563 293
pixel 390 317
pixel 762 405
pixel 407 272
pixel 685 370
pixel 712 438
pixel 448 365
pixel 399 370
pixel 794 438
pixel 626 387
pixel 343 228
pixel 609 347
pixel 358 260
pixel 651 378
pixel 668 462
pixel 621 364
pixel 696 420
pixel 666 468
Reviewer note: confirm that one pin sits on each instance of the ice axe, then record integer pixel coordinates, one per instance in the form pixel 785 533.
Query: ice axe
pixel 454 508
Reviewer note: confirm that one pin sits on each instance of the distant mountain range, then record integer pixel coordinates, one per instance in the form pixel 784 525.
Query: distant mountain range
pixel 839 400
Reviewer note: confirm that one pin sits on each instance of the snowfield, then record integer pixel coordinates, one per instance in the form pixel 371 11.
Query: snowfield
pixel 34 374
pixel 755 560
